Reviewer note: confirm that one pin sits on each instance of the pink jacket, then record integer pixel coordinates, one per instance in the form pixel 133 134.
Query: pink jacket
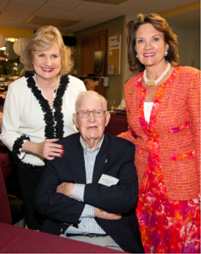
pixel 173 131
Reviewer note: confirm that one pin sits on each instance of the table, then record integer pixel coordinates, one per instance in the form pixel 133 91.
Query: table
pixel 15 239
pixel 117 124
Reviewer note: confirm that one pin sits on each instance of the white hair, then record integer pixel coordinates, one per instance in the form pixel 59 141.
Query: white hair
pixel 90 94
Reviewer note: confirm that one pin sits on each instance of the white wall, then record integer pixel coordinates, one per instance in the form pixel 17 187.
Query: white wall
pixel 189 45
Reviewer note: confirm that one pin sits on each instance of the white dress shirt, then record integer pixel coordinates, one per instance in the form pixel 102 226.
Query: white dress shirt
pixel 88 223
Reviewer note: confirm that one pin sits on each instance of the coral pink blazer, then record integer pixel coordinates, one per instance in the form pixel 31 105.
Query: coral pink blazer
pixel 175 120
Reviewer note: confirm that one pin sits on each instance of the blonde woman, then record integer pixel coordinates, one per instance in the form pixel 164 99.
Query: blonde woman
pixel 38 111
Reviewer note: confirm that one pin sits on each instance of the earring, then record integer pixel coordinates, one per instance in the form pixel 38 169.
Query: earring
pixel 166 53
pixel 136 56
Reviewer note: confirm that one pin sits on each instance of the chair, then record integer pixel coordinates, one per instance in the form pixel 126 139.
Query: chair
pixel 9 190
pixel 5 212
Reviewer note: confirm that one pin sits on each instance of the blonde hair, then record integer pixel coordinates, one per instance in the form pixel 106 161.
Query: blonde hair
pixel 43 39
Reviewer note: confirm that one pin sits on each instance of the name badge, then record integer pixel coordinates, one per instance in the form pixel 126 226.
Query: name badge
pixel 108 180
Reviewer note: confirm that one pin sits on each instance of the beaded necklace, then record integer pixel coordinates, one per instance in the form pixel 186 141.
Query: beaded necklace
pixel 151 82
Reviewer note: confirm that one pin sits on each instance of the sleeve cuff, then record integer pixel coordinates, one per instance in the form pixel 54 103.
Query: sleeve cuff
pixel 88 211
pixel 17 147
pixel 78 192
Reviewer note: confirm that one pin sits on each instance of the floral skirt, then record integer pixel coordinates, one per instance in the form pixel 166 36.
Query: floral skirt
pixel 168 226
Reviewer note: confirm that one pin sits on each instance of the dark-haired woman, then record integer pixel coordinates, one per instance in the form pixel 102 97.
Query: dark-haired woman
pixel 163 112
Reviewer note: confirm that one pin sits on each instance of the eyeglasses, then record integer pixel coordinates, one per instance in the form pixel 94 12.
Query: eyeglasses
pixel 85 113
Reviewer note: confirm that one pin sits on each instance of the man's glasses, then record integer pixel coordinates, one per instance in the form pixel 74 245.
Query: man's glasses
pixel 85 113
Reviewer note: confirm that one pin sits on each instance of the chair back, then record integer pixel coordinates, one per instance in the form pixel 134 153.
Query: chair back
pixel 5 212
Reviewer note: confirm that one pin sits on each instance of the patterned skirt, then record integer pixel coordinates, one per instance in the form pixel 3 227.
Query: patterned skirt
pixel 167 226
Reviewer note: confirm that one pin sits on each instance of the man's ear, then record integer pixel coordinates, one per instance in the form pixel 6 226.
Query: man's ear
pixel 107 118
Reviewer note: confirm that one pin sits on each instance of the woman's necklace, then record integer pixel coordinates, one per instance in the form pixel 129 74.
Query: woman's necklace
pixel 151 82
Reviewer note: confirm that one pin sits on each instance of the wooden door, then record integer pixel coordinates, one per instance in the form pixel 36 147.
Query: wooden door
pixel 90 44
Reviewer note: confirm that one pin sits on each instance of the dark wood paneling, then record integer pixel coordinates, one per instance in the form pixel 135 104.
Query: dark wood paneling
pixel 90 44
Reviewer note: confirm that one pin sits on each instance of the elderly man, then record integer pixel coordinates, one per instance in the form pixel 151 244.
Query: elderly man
pixel 90 193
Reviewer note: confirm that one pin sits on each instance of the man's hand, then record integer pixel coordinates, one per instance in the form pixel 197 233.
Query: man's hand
pixel 66 189
pixel 107 216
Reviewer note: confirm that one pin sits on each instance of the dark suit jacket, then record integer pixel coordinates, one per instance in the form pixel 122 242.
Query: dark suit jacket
pixel 115 158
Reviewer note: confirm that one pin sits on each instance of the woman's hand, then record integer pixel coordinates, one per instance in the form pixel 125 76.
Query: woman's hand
pixel 47 149
pixel 105 215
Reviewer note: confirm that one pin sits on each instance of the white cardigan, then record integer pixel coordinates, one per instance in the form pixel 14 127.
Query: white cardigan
pixel 23 115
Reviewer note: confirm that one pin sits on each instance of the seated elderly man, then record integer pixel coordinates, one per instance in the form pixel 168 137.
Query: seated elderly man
pixel 90 193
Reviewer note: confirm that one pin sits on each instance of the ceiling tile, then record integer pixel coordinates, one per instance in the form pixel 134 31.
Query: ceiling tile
pixel 15 13
pixel 114 2
pixel 49 21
